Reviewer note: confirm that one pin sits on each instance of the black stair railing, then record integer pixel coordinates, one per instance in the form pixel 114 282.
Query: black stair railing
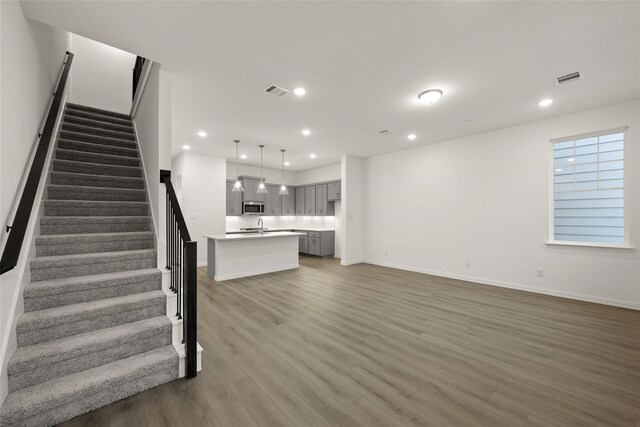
pixel 137 72
pixel 18 229
pixel 181 256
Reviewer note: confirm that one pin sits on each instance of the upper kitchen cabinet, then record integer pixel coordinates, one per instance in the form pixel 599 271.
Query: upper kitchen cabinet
pixel 234 200
pixel 310 200
pixel 333 191
pixel 323 207
pixel 289 202
pixel 272 201
pixel 250 193
pixel 299 200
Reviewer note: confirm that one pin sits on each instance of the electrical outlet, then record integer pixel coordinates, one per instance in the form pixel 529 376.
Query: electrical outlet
pixel 540 272
pixel 468 264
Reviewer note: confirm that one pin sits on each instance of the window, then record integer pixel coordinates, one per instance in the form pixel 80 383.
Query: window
pixel 588 188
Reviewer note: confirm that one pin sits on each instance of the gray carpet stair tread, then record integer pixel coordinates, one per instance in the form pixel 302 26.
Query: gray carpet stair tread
pixel 95 207
pixel 77 220
pixel 98 131
pixel 99 158
pixel 33 356
pixel 51 317
pixel 72 166
pixel 97 124
pixel 91 147
pixel 80 192
pixel 114 376
pixel 106 181
pixel 74 112
pixel 96 258
pixel 81 283
pixel 98 139
pixel 62 244
pixel 73 106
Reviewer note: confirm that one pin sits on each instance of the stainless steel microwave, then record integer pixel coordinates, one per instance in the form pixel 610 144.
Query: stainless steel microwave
pixel 252 208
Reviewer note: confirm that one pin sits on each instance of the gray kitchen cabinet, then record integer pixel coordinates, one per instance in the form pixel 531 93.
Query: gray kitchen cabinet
pixel 234 200
pixel 323 206
pixel 299 200
pixel 272 202
pixel 314 246
pixel 310 200
pixel 303 245
pixel 288 202
pixel 333 191
pixel 250 193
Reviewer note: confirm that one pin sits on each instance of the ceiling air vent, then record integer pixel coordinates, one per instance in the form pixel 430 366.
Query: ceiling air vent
pixel 385 132
pixel 567 78
pixel 277 91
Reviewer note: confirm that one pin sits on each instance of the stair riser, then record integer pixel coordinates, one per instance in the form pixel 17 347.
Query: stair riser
pixel 97 131
pixel 94 194
pixel 97 123
pixel 95 211
pixel 80 248
pixel 88 147
pixel 160 373
pixel 69 112
pixel 136 345
pixel 95 139
pixel 89 324
pixel 77 167
pixel 80 156
pixel 78 107
pixel 54 229
pixel 102 292
pixel 49 273
pixel 102 181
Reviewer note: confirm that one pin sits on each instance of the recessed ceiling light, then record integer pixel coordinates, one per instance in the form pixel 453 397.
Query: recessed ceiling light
pixel 300 91
pixel 571 160
pixel 313 156
pixel 186 147
pixel 411 136
pixel 287 163
pixel 430 96
pixel 558 170
pixel 243 156
pixel 306 132
pixel 545 102
pixel 202 134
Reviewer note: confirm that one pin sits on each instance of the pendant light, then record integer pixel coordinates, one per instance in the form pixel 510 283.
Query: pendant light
pixel 238 185
pixel 262 189
pixel 283 188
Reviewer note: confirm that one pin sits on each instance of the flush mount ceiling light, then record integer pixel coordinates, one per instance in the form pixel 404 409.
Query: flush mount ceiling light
pixel 545 102
pixel 411 136
pixel 262 189
pixel 283 188
pixel 238 184
pixel 186 147
pixel 300 91
pixel 430 96
pixel 202 134
pixel 287 163
pixel 306 132
pixel 313 156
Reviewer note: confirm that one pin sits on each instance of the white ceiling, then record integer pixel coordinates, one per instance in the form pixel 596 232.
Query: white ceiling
pixel 363 64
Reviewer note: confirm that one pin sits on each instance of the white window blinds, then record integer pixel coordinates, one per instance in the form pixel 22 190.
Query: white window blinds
pixel 588 188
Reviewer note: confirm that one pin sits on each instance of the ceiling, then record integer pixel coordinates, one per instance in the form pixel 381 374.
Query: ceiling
pixel 363 65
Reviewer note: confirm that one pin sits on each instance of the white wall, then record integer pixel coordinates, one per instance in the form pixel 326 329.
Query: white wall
pixel 102 75
pixel 153 126
pixel 32 55
pixel 352 218
pixel 271 176
pixel 203 193
pixel 321 174
pixel 485 199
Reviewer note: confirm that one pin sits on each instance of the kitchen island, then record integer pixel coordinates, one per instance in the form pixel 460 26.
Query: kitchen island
pixel 230 256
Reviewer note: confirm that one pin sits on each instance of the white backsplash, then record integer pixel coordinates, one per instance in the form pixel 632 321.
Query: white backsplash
pixel 235 223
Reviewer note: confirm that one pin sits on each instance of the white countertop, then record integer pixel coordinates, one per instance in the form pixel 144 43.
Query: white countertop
pixel 272 230
pixel 256 235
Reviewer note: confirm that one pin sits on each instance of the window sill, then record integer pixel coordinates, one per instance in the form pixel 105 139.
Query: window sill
pixel 589 245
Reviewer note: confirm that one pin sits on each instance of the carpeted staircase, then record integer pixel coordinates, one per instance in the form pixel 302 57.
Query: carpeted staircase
pixel 95 328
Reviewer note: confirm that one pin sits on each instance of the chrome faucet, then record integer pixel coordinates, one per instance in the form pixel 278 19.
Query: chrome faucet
pixel 261 225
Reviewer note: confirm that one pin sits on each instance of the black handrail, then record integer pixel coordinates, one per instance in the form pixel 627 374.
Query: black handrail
pixel 137 72
pixel 182 252
pixel 18 229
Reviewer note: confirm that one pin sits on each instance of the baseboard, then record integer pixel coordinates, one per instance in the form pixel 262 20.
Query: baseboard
pixel 358 261
pixel 202 264
pixel 219 278
pixel 543 291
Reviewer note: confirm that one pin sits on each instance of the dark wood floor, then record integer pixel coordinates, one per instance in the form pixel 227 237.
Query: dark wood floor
pixel 328 345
